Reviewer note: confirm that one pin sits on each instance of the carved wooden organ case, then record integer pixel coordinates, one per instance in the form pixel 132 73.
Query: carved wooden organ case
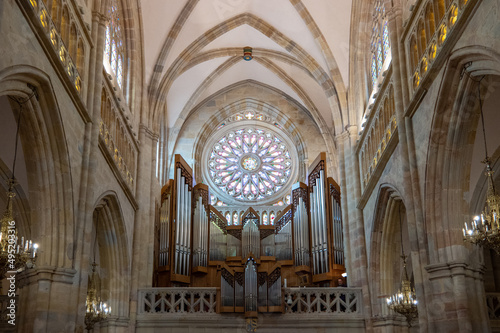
pixel 249 262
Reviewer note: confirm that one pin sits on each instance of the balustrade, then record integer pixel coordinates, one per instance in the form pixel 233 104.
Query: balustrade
pixel 68 38
pixel 117 138
pixel 378 130
pixel 429 27
pixel 323 301
pixel 177 300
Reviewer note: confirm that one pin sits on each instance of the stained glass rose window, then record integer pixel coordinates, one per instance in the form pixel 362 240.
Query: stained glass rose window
pixel 250 163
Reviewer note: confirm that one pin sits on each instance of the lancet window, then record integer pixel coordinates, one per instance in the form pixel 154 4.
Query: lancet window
pixel 114 50
pixel 380 45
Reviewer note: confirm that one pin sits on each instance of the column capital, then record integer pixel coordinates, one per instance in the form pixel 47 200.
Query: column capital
pixel 99 17
pixel 46 273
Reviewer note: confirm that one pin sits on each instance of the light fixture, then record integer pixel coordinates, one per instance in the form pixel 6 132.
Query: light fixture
pixel 15 255
pixel 404 301
pixel 96 310
pixel 484 230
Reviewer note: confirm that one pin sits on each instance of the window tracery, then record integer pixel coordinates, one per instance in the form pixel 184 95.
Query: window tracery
pixel 250 163
pixel 114 48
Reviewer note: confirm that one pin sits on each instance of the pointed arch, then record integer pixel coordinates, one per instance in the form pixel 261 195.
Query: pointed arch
pixel 449 151
pixel 160 85
pixel 113 253
pixel 47 163
pixel 389 227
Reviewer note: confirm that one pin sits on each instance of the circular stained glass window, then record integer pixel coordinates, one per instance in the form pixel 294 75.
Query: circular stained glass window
pixel 250 163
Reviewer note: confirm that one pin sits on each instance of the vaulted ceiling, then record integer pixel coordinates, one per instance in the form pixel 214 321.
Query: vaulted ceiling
pixel 193 49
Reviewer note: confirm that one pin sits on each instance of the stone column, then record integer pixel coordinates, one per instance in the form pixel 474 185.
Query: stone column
pixel 357 275
pixel 41 292
pixel 409 172
pixel 340 141
pixel 89 161
pixel 143 242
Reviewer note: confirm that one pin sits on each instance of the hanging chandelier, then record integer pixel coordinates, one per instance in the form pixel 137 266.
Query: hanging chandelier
pixel 484 230
pixel 15 254
pixel 96 310
pixel 404 301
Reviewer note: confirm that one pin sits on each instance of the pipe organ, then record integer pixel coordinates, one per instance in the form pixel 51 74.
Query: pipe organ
pixel 250 262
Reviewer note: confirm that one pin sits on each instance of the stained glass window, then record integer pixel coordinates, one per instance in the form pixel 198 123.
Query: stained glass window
pixel 380 46
pixel 113 48
pixel 250 163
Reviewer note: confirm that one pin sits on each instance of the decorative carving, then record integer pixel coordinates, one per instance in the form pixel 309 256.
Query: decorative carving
pixel 297 194
pixel 250 216
pixel 283 221
pixel 185 173
pixel 203 193
pixel 335 193
pixel 315 174
pixel 235 233
pixel 239 278
pixel 265 232
pixel 261 278
pixel 227 276
pixel 214 218
pixel 275 275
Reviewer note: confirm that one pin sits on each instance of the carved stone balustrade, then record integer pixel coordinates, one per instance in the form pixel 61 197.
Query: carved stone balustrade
pixel 345 302
pixel 171 301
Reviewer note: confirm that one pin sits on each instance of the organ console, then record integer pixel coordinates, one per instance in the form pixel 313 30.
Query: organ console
pixel 251 261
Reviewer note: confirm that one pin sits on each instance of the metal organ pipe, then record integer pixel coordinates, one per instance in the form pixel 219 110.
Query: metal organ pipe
pixel 177 222
pixel 322 220
pixel 314 230
pixel 305 235
pixel 187 243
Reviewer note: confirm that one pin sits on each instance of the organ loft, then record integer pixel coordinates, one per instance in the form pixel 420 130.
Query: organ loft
pixel 250 258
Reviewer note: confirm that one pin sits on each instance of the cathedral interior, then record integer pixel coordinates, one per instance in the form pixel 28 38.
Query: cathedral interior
pixel 250 166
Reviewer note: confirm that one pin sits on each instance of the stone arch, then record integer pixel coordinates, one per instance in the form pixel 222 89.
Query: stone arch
pixel 450 149
pixel 47 163
pixel 113 253
pixel 51 202
pixel 160 85
pixel 385 259
pixel 226 111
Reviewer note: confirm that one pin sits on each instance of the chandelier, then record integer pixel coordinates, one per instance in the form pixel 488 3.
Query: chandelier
pixel 15 254
pixel 484 230
pixel 404 301
pixel 96 310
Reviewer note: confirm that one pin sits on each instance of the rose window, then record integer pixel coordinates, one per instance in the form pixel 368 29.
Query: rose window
pixel 250 164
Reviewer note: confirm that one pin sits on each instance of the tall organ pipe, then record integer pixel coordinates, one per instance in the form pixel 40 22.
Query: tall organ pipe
pixel 177 221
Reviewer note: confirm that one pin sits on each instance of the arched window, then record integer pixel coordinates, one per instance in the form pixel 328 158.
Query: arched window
pixel 114 50
pixel 380 45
